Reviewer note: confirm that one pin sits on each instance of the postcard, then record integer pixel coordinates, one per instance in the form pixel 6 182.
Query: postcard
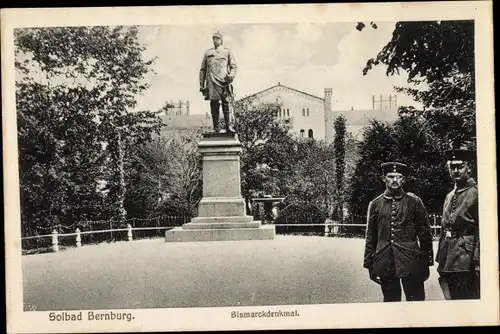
pixel 236 167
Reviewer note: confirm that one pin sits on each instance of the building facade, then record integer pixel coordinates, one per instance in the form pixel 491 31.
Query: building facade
pixel 309 113
pixel 312 116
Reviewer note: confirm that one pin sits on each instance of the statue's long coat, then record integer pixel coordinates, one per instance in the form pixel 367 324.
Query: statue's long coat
pixel 217 63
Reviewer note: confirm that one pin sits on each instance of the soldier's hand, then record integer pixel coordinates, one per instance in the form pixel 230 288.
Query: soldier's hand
pixel 373 277
pixel 476 268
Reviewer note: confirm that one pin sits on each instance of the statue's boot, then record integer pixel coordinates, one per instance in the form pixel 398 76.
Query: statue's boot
pixel 228 119
pixel 215 121
pixel 228 123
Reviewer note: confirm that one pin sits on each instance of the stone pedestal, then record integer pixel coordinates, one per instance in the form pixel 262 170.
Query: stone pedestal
pixel 221 211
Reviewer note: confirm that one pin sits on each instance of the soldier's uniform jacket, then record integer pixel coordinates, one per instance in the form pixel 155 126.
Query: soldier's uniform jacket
pixel 398 237
pixel 217 63
pixel 459 242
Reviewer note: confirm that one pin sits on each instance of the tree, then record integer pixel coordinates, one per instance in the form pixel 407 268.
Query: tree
pixel 166 175
pixel 377 146
pixel 339 145
pixel 185 172
pixel 60 158
pixel 417 147
pixel 311 181
pixel 277 163
pixel 265 139
pixel 83 82
pixel 438 57
pixel 406 141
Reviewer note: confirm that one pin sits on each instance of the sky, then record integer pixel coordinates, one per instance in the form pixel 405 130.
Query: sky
pixel 306 56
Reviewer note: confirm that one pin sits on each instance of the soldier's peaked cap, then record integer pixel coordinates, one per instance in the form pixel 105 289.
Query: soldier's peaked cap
pixel 460 154
pixel 395 167
pixel 217 34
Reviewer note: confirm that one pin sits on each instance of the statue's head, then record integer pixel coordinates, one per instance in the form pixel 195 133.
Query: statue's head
pixel 217 39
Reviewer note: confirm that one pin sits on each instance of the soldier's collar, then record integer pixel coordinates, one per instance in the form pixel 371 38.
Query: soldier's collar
pixel 398 197
pixel 468 184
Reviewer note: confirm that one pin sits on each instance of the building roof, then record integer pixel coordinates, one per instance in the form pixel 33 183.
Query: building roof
pixel 186 121
pixel 280 87
pixel 363 117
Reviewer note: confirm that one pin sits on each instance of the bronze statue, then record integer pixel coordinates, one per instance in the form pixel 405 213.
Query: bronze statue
pixel 217 73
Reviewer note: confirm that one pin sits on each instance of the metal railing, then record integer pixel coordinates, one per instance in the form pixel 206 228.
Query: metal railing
pixel 329 228
pixel 73 234
pixel 55 235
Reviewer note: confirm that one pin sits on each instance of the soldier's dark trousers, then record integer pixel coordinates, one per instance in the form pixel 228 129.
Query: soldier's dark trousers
pixel 464 285
pixel 391 289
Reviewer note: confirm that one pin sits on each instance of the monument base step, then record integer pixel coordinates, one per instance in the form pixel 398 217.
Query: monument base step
pixel 205 226
pixel 223 219
pixel 180 234
pixel 222 222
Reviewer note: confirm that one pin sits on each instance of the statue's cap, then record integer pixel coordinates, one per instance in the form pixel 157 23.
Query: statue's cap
pixel 217 34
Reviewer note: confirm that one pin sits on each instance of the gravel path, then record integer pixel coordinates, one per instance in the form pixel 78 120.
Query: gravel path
pixel 152 273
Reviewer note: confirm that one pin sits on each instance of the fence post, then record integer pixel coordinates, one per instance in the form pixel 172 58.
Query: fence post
pixel 78 238
pixel 433 225
pixel 129 232
pixel 55 241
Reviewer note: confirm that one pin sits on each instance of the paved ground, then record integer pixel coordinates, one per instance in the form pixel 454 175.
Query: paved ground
pixel 152 273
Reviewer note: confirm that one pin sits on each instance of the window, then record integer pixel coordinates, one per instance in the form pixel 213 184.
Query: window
pixel 310 133
pixel 303 112
pixel 288 112
pixel 307 111
pixel 279 113
pixel 302 133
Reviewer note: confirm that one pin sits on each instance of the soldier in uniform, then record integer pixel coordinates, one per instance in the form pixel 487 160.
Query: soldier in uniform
pixel 458 250
pixel 217 72
pixel 398 247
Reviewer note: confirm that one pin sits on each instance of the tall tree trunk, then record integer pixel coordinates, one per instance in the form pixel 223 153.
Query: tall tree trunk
pixel 122 214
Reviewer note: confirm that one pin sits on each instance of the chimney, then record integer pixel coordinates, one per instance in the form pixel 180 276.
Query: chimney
pixel 328 115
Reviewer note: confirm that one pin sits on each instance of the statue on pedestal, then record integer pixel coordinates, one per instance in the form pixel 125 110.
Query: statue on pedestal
pixel 217 72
